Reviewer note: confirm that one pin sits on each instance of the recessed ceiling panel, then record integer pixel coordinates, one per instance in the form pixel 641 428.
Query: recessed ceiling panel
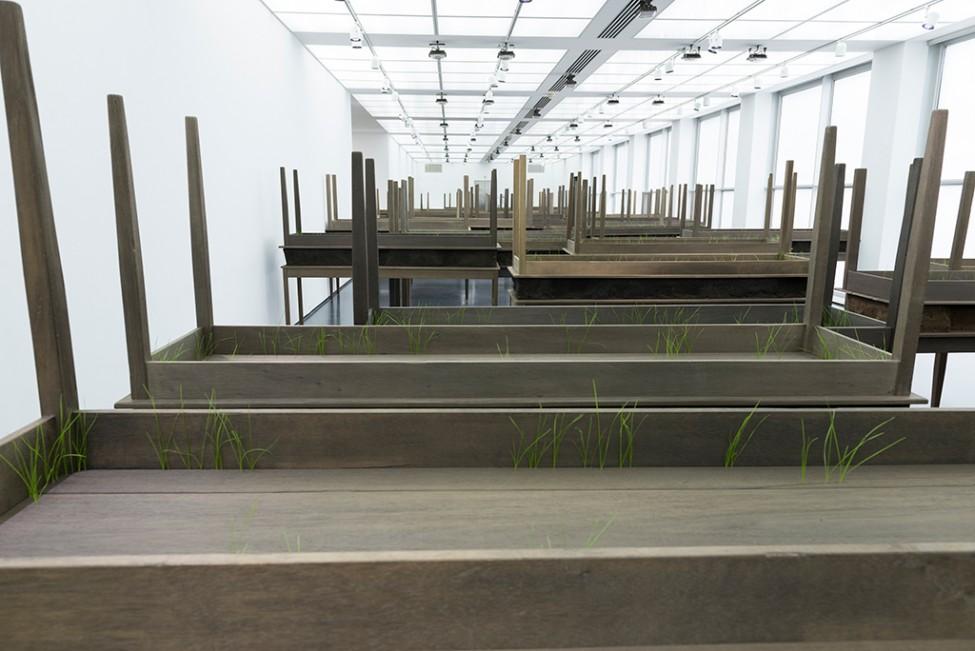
pixel 706 9
pixel 550 27
pixel 397 24
pixel 679 29
pixel 474 26
pixel 322 23
pixel 403 7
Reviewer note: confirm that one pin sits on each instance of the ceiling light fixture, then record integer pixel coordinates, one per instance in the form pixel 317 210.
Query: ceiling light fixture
pixel 691 53
pixel 715 43
pixel 441 100
pixel 931 18
pixel 757 53
pixel 506 54
pixel 570 82
pixel 444 124
pixel 355 38
pixel 437 53
pixel 613 100
pixel 578 139
pixel 375 63
pixel 757 83
pixel 657 74
pixel 647 10
pixel 658 100
pixel 697 106
pixel 608 125
pixel 669 67
pixel 537 113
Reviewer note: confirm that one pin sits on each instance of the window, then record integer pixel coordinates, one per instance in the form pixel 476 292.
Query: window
pixel 725 207
pixel 848 114
pixel 799 122
pixel 620 156
pixel 958 96
pixel 717 152
pixel 658 154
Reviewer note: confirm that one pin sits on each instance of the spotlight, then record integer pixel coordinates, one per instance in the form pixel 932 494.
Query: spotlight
pixel 375 63
pixel 533 147
pixel 441 100
pixel 608 125
pixel 613 100
pixel 691 53
pixel 647 10
pixel 386 89
pixel 931 18
pixel 669 67
pixel 784 71
pixel 548 139
pixel 537 113
pixel 577 139
pixel 841 49
pixel 517 132
pixel 473 138
pixel 444 125
pixel 715 43
pixel 355 38
pixel 505 54
pixel 658 100
pixel 437 53
pixel 757 53
pixel 757 83
pixel 570 82
pixel 697 106
pixel 573 125
pixel 735 92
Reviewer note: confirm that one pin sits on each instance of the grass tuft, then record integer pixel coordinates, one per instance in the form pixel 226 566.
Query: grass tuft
pixel 740 439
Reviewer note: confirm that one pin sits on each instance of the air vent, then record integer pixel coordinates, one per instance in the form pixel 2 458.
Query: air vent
pixel 539 105
pixel 622 21
pixel 433 168
pixel 536 169
pixel 577 67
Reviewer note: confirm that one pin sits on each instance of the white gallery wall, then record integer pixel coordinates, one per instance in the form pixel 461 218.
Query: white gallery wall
pixel 263 101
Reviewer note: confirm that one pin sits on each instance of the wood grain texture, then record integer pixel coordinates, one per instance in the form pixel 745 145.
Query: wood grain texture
pixel 129 251
pixel 199 241
pixel 893 295
pixel 360 259
pixel 493 599
pixel 822 227
pixel 41 259
pixel 911 308
pixel 372 250
pixel 479 437
pixel 856 223
pixel 961 224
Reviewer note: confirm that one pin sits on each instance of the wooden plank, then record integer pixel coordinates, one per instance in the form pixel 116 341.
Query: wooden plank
pixel 769 198
pixel 856 223
pixel 15 453
pixel 478 437
pixel 833 252
pixel 788 213
pixel 360 271
pixel 900 258
pixel 493 207
pixel 372 250
pixel 823 227
pixel 296 188
pixel 43 279
pixel 199 245
pixel 285 219
pixel 129 251
pixel 602 207
pixel 911 307
pixel 543 598
pixel 454 509
pixel 961 224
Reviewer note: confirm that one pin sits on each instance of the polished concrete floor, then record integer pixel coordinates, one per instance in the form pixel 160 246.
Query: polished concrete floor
pixel 338 309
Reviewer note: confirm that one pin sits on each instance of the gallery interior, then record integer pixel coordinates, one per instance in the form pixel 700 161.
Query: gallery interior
pixel 446 325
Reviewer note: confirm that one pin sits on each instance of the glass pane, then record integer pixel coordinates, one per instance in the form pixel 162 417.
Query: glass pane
pixel 798 124
pixel 727 206
pixel 944 225
pixel 659 152
pixel 708 150
pixel 731 149
pixel 958 96
pixel 620 154
pixel 849 116
pixel 805 200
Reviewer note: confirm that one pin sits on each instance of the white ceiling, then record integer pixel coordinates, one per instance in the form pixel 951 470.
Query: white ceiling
pixel 549 35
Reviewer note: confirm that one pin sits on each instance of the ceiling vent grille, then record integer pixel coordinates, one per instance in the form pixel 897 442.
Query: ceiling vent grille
pixel 539 105
pixel 622 20
pixel 433 168
pixel 577 67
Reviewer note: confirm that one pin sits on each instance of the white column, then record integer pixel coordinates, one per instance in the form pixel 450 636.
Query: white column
pixel 897 114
